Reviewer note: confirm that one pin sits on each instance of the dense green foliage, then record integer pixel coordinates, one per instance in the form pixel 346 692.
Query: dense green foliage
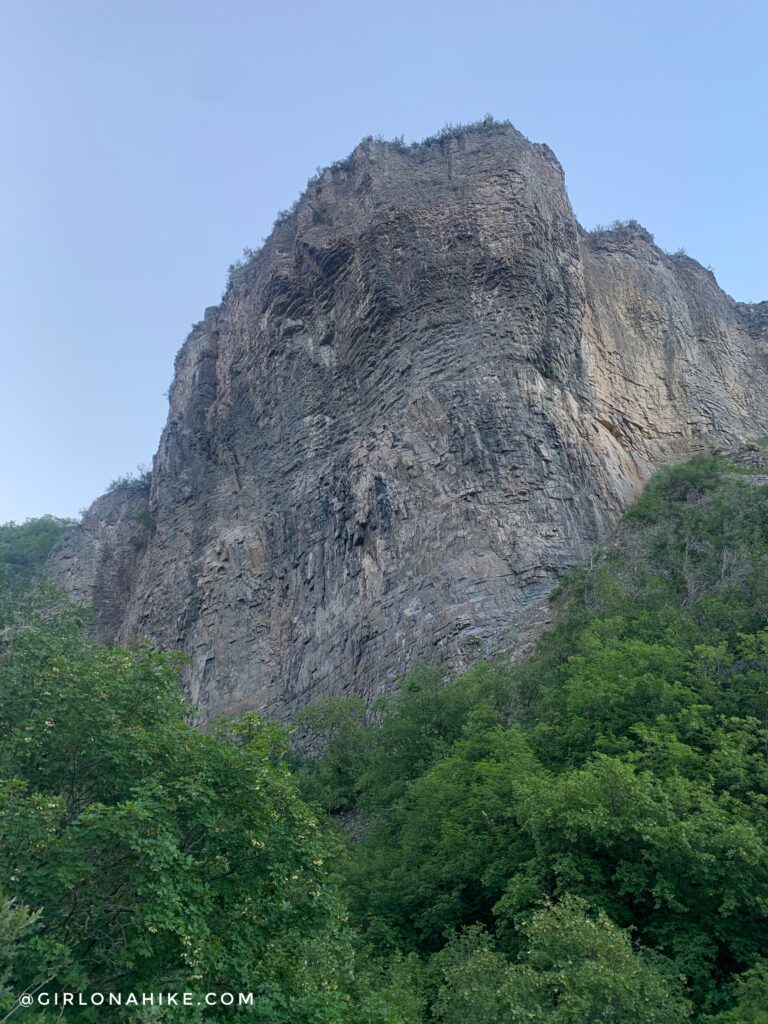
pixel 582 837
pixel 624 765
pixel 156 855
pixel 573 968
pixel 25 546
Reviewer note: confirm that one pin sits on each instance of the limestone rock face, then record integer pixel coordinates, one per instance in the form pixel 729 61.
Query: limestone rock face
pixel 427 396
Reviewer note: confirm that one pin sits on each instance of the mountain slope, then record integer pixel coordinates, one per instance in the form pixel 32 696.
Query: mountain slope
pixel 422 401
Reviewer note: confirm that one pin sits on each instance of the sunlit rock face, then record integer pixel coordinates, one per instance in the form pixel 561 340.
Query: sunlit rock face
pixel 427 396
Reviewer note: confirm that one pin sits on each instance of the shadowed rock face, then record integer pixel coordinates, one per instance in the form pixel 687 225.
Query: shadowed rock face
pixel 424 399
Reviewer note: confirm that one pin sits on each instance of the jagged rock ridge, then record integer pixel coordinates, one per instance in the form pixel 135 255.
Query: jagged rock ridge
pixel 428 395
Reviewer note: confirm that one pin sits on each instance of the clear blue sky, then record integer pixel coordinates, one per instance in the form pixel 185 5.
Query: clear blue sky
pixel 146 142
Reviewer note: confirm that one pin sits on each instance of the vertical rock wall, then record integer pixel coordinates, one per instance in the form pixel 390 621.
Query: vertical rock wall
pixel 425 398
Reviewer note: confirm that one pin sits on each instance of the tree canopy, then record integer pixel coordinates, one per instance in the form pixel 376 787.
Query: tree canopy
pixel 579 837
pixel 153 853
pixel 25 546
pixel 623 765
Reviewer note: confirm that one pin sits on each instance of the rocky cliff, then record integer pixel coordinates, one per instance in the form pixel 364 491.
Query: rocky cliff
pixel 422 401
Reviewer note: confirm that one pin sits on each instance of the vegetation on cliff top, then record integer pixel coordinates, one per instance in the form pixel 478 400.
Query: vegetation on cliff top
pixel 582 837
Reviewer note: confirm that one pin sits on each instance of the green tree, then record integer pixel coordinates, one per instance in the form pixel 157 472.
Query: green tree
pixel 575 968
pixel 156 853
pixel 25 546
pixel 473 981
pixel 15 923
pixel 333 781
pixel 389 989
pixel 750 994
pixel 579 969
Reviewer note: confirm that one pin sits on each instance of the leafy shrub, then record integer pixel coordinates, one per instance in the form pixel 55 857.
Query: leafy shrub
pixel 621 230
pixel 141 480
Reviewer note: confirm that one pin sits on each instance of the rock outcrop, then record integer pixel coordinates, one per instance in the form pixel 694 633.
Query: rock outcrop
pixel 428 395
pixel 98 562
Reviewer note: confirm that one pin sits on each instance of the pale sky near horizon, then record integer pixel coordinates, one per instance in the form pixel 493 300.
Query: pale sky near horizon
pixel 146 142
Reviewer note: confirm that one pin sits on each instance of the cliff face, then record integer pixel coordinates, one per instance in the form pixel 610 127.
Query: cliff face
pixel 427 396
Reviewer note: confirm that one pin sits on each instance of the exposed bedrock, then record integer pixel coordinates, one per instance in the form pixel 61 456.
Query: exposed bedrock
pixel 427 396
